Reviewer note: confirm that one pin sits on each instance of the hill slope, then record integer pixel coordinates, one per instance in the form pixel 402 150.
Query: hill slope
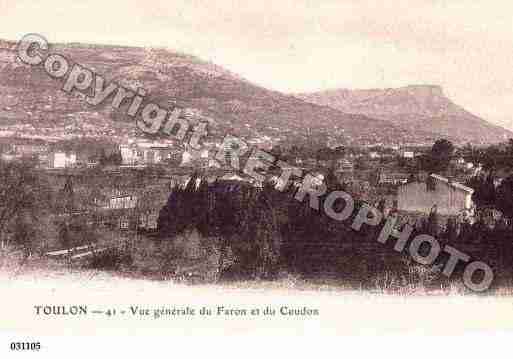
pixel 419 107
pixel 239 107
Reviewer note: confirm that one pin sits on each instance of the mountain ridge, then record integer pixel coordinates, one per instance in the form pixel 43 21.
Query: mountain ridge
pixel 240 107
pixel 172 78
pixel 422 107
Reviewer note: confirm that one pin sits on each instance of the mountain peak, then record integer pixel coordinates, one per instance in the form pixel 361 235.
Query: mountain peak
pixel 416 107
pixel 426 90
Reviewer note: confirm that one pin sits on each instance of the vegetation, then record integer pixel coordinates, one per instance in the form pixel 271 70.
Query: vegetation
pixel 438 159
pixel 24 198
pixel 263 231
pixel 270 232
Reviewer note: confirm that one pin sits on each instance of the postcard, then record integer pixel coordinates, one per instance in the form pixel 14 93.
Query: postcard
pixel 271 177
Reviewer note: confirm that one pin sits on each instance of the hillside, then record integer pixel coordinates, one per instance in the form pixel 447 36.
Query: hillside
pixel 32 99
pixel 419 107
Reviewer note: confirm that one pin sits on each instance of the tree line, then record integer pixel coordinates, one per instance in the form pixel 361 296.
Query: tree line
pixel 269 230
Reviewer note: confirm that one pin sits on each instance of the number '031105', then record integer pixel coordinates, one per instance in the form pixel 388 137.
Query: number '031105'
pixel 25 346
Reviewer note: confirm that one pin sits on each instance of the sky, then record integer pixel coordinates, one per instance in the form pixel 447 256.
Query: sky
pixel 465 46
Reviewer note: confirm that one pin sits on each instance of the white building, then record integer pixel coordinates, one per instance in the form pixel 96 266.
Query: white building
pixel 120 200
pixel 149 220
pixel 128 154
pixel 204 153
pixel 196 157
pixel 63 160
pixel 408 154
pixel 141 154
pixel 186 158
pixel 212 163
pixel 451 198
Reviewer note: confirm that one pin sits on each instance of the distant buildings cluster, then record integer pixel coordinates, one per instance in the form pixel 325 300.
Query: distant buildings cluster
pixel 144 153
pixel 129 154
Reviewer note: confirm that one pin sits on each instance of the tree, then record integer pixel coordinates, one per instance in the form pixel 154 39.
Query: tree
pixel 277 152
pixel 23 231
pixel 433 222
pixel 440 156
pixel 484 190
pixel 108 156
pixel 332 182
pixel 451 231
pixel 442 149
pixel 23 196
pixel 68 196
pixel 504 197
pixel 361 164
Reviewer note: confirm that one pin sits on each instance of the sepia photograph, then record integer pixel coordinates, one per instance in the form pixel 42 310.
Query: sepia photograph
pixel 211 170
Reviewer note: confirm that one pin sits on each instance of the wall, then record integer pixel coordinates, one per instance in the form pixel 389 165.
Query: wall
pixel 63 160
pixel 449 200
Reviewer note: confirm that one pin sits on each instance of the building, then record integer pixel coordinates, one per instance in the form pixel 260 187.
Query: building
pixel 344 169
pixel 212 163
pixel 143 153
pixel 29 149
pixel 11 152
pixel 310 162
pixel 129 154
pixel 61 159
pixel 120 200
pixel 392 178
pixel 451 198
pixel 408 154
pixel 152 156
pixel 187 158
pixel 149 220
pixel 345 165
pixel 198 158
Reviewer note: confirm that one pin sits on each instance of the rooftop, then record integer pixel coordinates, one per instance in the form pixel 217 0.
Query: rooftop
pixel 453 184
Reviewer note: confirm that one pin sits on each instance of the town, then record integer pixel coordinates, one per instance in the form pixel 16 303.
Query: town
pixel 78 200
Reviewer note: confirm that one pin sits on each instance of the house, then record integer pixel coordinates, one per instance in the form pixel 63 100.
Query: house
pixel 317 180
pixel 61 159
pixel 204 153
pixel 198 158
pixel 408 154
pixel 310 162
pixel 29 149
pixel 344 165
pixel 124 222
pixel 451 198
pixel 234 177
pixel 143 153
pixel 129 155
pixel 212 163
pixel 121 200
pixel 149 220
pixel 187 158
pixel 344 169
pixel 10 152
pixel 460 163
pixel 7 157
pixel 152 156
pixel 323 163
pixel 393 178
